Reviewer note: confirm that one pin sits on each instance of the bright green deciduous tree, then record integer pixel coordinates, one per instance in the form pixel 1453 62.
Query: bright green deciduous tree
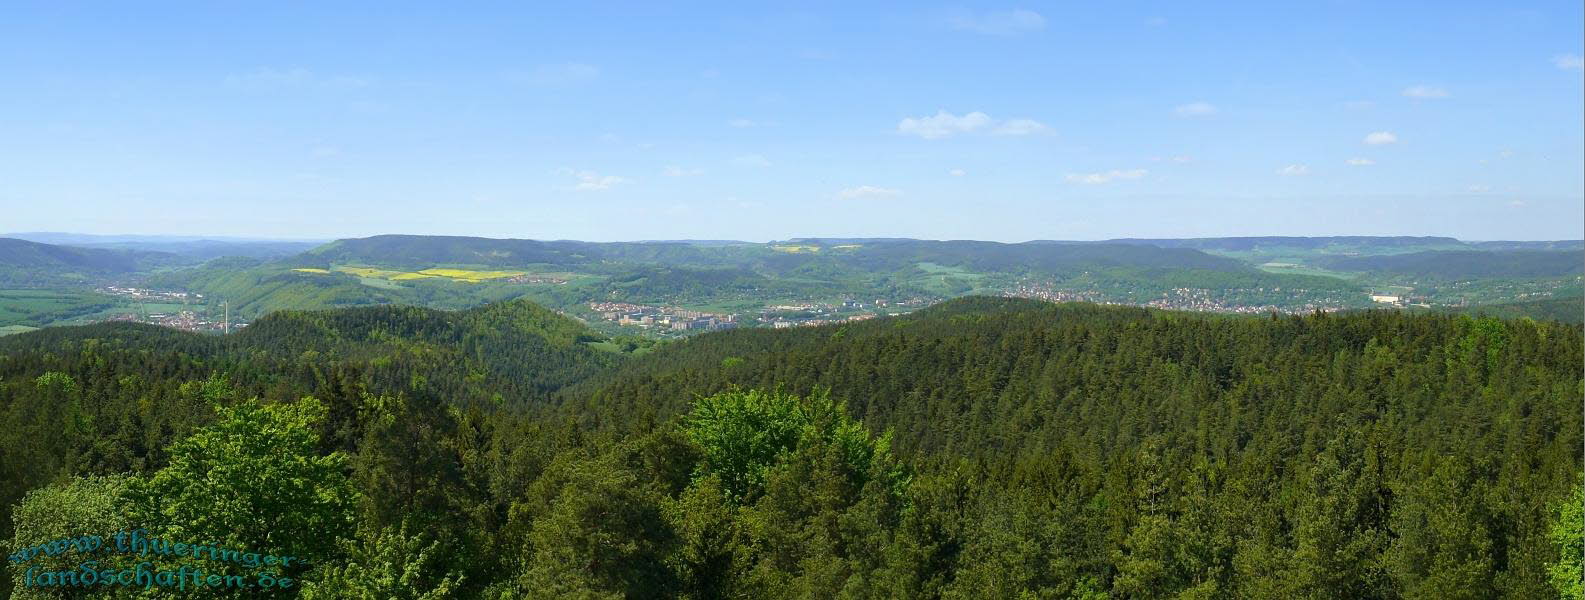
pixel 83 506
pixel 253 481
pixel 391 564
pixel 742 433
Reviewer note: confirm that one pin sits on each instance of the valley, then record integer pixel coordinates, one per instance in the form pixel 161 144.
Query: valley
pixel 742 284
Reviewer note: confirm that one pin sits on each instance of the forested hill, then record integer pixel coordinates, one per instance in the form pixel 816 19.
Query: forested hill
pixel 1465 264
pixel 1251 243
pixel 981 448
pixel 513 350
pixel 24 254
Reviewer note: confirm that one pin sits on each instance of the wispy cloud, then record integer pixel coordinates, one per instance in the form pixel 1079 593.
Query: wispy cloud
pixel 1569 61
pixel 590 181
pixel 1380 138
pixel 1425 92
pixel 868 191
pixel 957 172
pixel 1105 177
pixel 1478 189
pixel 1007 22
pixel 750 160
pixel 1195 109
pixel 945 124
pixel 1360 162
pixel 1020 127
pixel 1294 170
pixel 676 171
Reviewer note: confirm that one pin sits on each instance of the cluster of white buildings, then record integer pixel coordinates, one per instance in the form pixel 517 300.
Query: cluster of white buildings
pixel 662 317
pixel 151 295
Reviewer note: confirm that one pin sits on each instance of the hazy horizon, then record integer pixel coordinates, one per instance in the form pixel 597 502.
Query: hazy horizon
pixel 113 237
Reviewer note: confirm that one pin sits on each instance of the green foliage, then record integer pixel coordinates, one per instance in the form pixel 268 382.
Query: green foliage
pixel 742 434
pixel 1568 535
pixel 388 564
pixel 253 480
pixel 81 506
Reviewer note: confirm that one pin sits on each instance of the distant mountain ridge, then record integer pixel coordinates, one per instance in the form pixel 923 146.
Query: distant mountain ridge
pixel 34 255
pixel 1247 243
pixel 197 248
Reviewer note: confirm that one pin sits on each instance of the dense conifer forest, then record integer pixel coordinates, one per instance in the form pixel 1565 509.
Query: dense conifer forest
pixel 981 448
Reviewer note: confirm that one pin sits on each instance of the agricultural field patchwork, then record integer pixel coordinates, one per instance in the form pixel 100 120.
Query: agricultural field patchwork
pixel 41 307
pixel 376 277
pixel 795 248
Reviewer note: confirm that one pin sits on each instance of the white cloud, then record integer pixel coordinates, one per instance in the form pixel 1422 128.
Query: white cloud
pixel 1294 170
pixel 1479 189
pixel 1380 138
pixel 1020 127
pixel 957 172
pixel 945 124
pixel 1183 159
pixel 868 191
pixel 676 171
pixel 1007 22
pixel 1516 203
pixel 1105 177
pixel 1569 61
pixel 750 160
pixel 1425 92
pixel 1360 162
pixel 590 181
pixel 1195 109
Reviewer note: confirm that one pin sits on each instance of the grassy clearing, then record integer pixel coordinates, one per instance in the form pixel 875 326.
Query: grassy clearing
pixel 42 307
pixel 384 284
pixel 937 270
pixel 312 270
pixel 11 329
pixel 795 248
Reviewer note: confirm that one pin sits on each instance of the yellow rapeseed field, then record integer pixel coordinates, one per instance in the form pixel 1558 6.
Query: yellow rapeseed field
pixel 462 275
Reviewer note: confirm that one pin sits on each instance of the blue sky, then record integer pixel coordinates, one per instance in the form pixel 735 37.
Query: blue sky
pixel 617 122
